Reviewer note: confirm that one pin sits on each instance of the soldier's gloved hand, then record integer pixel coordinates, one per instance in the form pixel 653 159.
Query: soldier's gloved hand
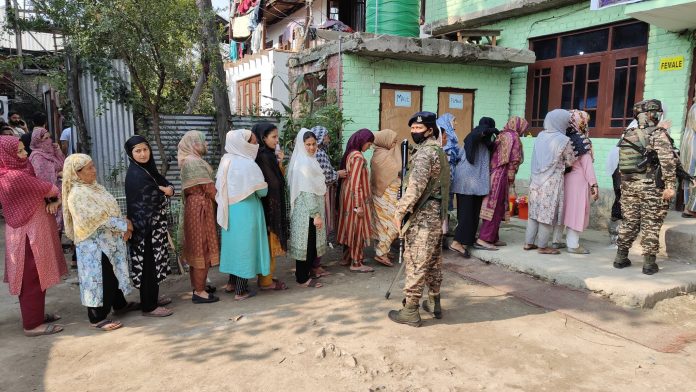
pixel 667 194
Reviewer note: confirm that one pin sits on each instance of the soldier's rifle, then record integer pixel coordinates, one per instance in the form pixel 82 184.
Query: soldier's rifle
pixel 404 168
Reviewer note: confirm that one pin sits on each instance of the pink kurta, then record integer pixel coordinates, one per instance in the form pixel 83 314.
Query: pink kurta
pixel 42 234
pixel 577 193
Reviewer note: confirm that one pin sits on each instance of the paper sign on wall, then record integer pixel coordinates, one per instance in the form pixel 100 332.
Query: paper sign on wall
pixel 402 99
pixel 456 101
pixel 671 63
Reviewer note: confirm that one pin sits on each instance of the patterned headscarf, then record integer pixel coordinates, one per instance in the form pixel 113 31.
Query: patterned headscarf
pixel 322 156
pixel 517 125
pixel 45 147
pixel 451 148
pixel 579 132
pixel 85 206
pixel 21 193
pixel 194 170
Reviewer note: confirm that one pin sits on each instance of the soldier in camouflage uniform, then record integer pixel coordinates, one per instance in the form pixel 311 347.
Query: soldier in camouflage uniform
pixel 648 166
pixel 424 203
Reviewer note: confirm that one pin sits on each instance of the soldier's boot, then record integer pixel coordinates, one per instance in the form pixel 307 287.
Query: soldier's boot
pixel 432 305
pixel 407 315
pixel 621 260
pixel 649 265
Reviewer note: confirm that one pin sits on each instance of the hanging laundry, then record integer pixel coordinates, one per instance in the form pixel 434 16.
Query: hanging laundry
pixel 234 52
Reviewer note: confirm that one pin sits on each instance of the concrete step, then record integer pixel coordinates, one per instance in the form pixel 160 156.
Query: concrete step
pixel 678 238
pixel 627 287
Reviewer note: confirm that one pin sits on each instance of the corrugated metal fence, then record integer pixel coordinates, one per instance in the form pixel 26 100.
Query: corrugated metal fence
pixel 109 125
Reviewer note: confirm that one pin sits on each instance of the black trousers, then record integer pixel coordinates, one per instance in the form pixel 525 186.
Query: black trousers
pixel 468 210
pixel 149 288
pixel 616 207
pixel 113 296
pixel 303 268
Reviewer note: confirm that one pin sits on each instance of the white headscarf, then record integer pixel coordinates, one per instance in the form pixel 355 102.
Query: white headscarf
pixel 550 142
pixel 238 175
pixel 304 172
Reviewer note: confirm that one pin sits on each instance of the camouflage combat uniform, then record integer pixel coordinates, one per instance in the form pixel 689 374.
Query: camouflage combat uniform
pixel 642 205
pixel 423 237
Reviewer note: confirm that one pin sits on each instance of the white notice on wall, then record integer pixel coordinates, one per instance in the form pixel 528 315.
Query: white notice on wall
pixel 402 99
pixel 456 101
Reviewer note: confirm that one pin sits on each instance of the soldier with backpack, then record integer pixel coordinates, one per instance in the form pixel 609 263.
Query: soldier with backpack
pixel 649 167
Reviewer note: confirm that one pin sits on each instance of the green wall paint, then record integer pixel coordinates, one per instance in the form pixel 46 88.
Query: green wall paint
pixel 442 9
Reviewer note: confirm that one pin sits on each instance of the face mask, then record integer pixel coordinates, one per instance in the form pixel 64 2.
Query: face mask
pixel 419 138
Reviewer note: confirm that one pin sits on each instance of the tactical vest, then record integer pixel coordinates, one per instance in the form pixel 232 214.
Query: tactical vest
pixel 438 189
pixel 633 140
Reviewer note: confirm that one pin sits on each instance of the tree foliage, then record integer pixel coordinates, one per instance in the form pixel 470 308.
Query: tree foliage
pixel 155 38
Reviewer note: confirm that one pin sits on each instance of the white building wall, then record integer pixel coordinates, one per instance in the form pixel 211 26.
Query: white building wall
pixel 319 16
pixel 267 64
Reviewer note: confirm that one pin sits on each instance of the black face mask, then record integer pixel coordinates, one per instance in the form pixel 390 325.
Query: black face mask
pixel 419 138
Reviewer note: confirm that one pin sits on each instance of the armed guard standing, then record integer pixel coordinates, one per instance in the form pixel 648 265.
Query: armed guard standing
pixel 648 165
pixel 424 205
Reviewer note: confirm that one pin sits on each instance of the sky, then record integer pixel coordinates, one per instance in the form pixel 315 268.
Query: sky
pixel 222 7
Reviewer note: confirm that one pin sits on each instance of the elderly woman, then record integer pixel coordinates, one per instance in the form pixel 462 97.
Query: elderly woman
pixel 240 186
pixel 93 221
pixel 197 230
pixel 331 178
pixel 580 184
pixel 146 200
pixel 385 167
pixel 553 153
pixel 47 160
pixel 307 189
pixel 506 159
pixel 34 260
pixel 354 209
pixel 471 184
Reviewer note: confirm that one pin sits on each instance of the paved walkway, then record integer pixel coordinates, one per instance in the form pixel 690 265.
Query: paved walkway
pixel 594 272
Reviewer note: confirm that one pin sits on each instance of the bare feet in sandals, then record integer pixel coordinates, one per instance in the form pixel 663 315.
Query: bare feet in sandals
pixel 43 329
pixel 549 251
pixel 530 247
pixel 309 284
pixel 244 296
pixel 160 311
pixel 320 272
pixel 358 266
pixel 108 325
pixel 384 260
pixel 277 285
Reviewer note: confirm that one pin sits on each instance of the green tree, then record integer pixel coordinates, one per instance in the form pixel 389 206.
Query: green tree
pixel 155 38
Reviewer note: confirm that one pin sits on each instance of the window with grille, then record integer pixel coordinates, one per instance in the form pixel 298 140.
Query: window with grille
pixel 600 71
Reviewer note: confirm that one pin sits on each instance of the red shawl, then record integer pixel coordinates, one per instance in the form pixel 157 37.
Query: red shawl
pixel 21 193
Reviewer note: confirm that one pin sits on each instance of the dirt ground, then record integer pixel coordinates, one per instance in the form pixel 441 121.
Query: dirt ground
pixel 338 338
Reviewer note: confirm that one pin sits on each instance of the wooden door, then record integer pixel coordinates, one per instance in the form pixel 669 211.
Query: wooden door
pixel 397 104
pixel 460 103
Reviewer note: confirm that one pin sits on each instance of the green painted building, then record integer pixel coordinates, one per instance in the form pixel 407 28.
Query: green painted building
pixel 529 57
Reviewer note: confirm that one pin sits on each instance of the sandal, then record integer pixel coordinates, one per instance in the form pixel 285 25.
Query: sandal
pixel 107 325
pixel 50 329
pixel 229 288
pixel 248 295
pixel 484 247
pixel 320 273
pixel 530 247
pixel 130 307
pixel 465 253
pixel 360 268
pixel 308 284
pixel 163 300
pixel 384 261
pixel 500 243
pixel 549 251
pixel 276 286
pixel 51 318
pixel 159 312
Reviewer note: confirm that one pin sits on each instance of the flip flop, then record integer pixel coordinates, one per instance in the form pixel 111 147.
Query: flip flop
pixel 163 300
pixel 549 251
pixel 483 247
pixel 51 317
pixel 276 286
pixel 530 247
pixel 308 284
pixel 362 269
pixel 463 253
pixel 50 329
pixel 163 313
pixel 248 295
pixel 381 260
pixel 500 243
pixel 107 325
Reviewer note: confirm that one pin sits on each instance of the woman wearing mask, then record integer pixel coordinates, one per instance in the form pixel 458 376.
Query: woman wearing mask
pixel 354 224
pixel 47 160
pixel 385 169
pixel 197 230
pixel 472 183
pixel 93 221
pixel 34 259
pixel 240 186
pixel 307 190
pixel 147 193
pixel 275 203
